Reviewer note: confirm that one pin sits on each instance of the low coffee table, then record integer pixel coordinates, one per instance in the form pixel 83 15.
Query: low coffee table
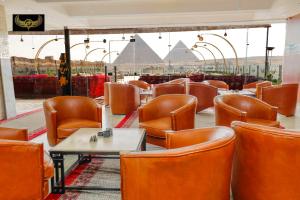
pixel 122 140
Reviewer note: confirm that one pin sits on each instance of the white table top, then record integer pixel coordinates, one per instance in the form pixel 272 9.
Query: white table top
pixel 243 92
pixel 122 140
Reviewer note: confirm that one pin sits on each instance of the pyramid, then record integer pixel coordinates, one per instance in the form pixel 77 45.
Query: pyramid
pixel 181 55
pixel 138 53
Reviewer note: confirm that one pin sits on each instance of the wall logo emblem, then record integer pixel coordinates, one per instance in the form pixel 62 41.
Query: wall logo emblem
pixel 29 22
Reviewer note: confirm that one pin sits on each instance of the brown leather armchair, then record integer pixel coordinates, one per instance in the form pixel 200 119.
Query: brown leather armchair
pixel 198 166
pixel 168 88
pixel 106 93
pixel 282 96
pixel 216 83
pixel 123 98
pixel 167 112
pixel 140 84
pixel 261 85
pixel 66 114
pixel 236 107
pixel 266 163
pixel 25 170
pixel 204 93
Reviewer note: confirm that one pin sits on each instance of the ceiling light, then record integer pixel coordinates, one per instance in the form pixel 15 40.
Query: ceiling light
pixel 21 40
pixel 159 37
pixel 200 37
pixel 123 37
pixel 225 34
pixel 195 46
pixel 104 51
pixel 104 40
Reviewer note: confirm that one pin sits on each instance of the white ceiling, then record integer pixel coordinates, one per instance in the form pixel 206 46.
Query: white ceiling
pixel 153 13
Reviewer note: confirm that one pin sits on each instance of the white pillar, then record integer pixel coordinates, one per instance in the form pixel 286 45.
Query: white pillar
pixel 7 93
pixel 291 70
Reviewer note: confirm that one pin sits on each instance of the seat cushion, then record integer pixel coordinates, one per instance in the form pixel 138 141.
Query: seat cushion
pixel 157 127
pixel 48 167
pixel 263 122
pixel 69 126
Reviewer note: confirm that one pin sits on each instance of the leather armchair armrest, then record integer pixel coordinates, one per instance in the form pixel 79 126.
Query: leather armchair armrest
pixel 233 111
pixel 51 123
pixel 180 115
pixel 98 113
pixel 13 134
pixel 21 170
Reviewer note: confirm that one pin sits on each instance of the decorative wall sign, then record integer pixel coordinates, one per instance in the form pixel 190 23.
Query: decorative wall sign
pixel 26 22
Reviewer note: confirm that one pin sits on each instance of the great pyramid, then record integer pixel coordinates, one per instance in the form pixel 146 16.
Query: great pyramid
pixel 137 54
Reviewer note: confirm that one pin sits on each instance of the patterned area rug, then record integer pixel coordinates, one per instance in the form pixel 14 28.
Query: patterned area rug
pixel 32 120
pixel 99 172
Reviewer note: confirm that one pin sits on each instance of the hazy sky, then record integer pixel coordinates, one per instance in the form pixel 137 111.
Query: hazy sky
pixel 256 40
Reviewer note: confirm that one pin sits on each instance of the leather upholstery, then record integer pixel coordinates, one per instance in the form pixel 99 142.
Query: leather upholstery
pixel 282 96
pixel 266 163
pixel 66 114
pixel 236 107
pixel 123 98
pixel 167 112
pixel 140 84
pixel 198 166
pixel 218 84
pixel 106 93
pixel 24 170
pixel 168 88
pixel 259 87
pixel 13 134
pixel 251 85
pixel 204 93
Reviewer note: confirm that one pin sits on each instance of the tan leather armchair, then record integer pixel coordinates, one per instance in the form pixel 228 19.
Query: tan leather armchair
pixel 266 163
pixel 282 96
pixel 216 83
pixel 66 114
pixel 124 98
pixel 140 84
pixel 197 166
pixel 236 107
pixel 204 93
pixel 106 93
pixel 25 170
pixel 168 88
pixel 167 112
pixel 261 85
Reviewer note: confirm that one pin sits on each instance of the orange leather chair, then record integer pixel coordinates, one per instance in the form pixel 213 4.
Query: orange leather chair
pixel 259 87
pixel 204 93
pixel 140 84
pixel 167 112
pixel 197 166
pixel 106 93
pixel 236 107
pixel 66 114
pixel 123 98
pixel 282 96
pixel 218 84
pixel 251 85
pixel 168 88
pixel 25 170
pixel 266 163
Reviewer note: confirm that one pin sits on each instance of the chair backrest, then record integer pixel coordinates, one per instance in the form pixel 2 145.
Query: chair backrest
pixel 282 96
pixel 266 163
pixel 198 166
pixel 218 84
pixel 141 84
pixel 250 85
pixel 170 88
pixel 204 93
pixel 259 87
pixel 73 107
